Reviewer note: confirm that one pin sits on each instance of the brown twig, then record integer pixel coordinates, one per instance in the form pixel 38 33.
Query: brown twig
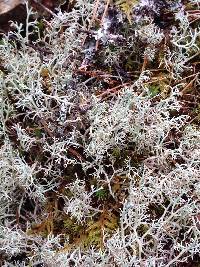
pixel 145 62
pixel 76 154
pixel 189 85
pixel 96 73
pixel 112 90
pixel 190 76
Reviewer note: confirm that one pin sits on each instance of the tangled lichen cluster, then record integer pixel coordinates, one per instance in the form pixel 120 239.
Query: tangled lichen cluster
pixel 100 138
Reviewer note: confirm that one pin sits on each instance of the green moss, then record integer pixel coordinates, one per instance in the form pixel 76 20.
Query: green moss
pixel 116 153
pixel 101 194
pixel 38 132
pixel 154 90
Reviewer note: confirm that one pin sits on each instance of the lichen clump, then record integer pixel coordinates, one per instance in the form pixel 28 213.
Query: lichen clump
pixel 100 137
